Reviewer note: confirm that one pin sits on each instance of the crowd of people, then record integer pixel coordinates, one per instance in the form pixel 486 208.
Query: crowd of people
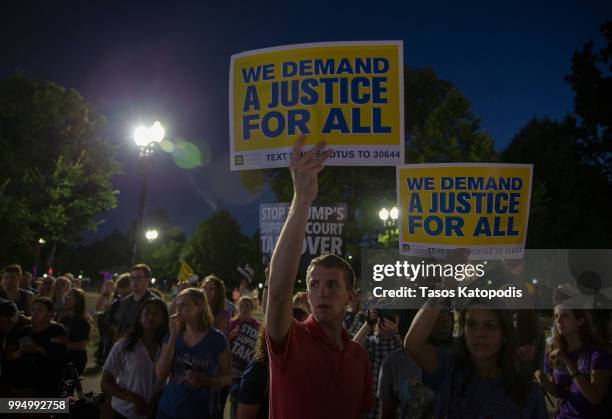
pixel 317 355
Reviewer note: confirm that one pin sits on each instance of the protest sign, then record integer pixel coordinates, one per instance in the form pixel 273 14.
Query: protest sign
pixel 324 229
pixel 184 273
pixel 482 207
pixel 349 94
pixel 243 346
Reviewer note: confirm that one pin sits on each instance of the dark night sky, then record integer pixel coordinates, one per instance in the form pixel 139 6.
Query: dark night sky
pixel 142 61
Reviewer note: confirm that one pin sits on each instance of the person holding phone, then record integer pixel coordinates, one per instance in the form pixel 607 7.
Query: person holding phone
pixel 379 335
pixel 194 358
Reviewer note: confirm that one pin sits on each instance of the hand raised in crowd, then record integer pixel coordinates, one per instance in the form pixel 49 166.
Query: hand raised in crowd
pixel 560 356
pixel 372 316
pixel 305 169
pixel 389 326
pixel 527 353
pixel 176 326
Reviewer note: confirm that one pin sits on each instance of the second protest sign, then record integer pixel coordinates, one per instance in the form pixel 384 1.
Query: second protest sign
pixel 482 207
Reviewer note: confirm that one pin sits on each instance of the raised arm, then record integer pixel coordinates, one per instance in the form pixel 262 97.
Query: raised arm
pixel 415 342
pixel 286 257
pixel 163 365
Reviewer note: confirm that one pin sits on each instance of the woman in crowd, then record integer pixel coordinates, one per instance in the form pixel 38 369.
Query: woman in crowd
pixel 77 324
pixel 129 371
pixel 243 330
pixel 577 370
pixel 36 355
pixel 254 386
pixel 61 287
pixel 479 377
pixel 220 307
pixel 105 318
pixel 215 294
pixel 195 358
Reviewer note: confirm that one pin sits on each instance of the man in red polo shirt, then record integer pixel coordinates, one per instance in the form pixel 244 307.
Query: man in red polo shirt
pixel 316 370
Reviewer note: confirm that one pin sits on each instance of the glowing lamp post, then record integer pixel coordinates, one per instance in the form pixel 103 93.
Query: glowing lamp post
pixel 389 219
pixel 145 138
pixel 151 235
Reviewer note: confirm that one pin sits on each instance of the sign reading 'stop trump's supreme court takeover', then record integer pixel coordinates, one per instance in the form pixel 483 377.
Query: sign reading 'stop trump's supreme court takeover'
pixel 349 94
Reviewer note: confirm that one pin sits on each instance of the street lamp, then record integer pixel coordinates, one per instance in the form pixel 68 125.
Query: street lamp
pixel 145 138
pixel 41 243
pixel 389 219
pixel 151 235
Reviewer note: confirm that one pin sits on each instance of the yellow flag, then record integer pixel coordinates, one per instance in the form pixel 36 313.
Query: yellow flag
pixel 184 273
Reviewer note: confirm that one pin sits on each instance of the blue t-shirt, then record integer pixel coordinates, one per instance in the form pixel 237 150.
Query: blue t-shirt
pixel 481 398
pixel 181 400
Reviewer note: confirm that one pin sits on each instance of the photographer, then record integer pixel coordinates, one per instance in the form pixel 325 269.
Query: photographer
pixel 384 341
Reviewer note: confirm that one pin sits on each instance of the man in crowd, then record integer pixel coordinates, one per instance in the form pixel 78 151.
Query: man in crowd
pixel 140 278
pixel 11 281
pixel 316 370
pixel 26 282
pixel 379 336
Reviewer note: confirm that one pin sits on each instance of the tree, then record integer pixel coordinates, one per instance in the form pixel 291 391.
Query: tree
pixel 163 255
pixel 571 201
pixel 111 252
pixel 591 82
pixel 57 166
pixel 440 126
pixel 164 259
pixel 218 246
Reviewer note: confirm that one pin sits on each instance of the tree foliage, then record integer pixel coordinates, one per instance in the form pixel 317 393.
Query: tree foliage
pixel 112 253
pixel 56 164
pixel 591 81
pixel 218 246
pixel 571 201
